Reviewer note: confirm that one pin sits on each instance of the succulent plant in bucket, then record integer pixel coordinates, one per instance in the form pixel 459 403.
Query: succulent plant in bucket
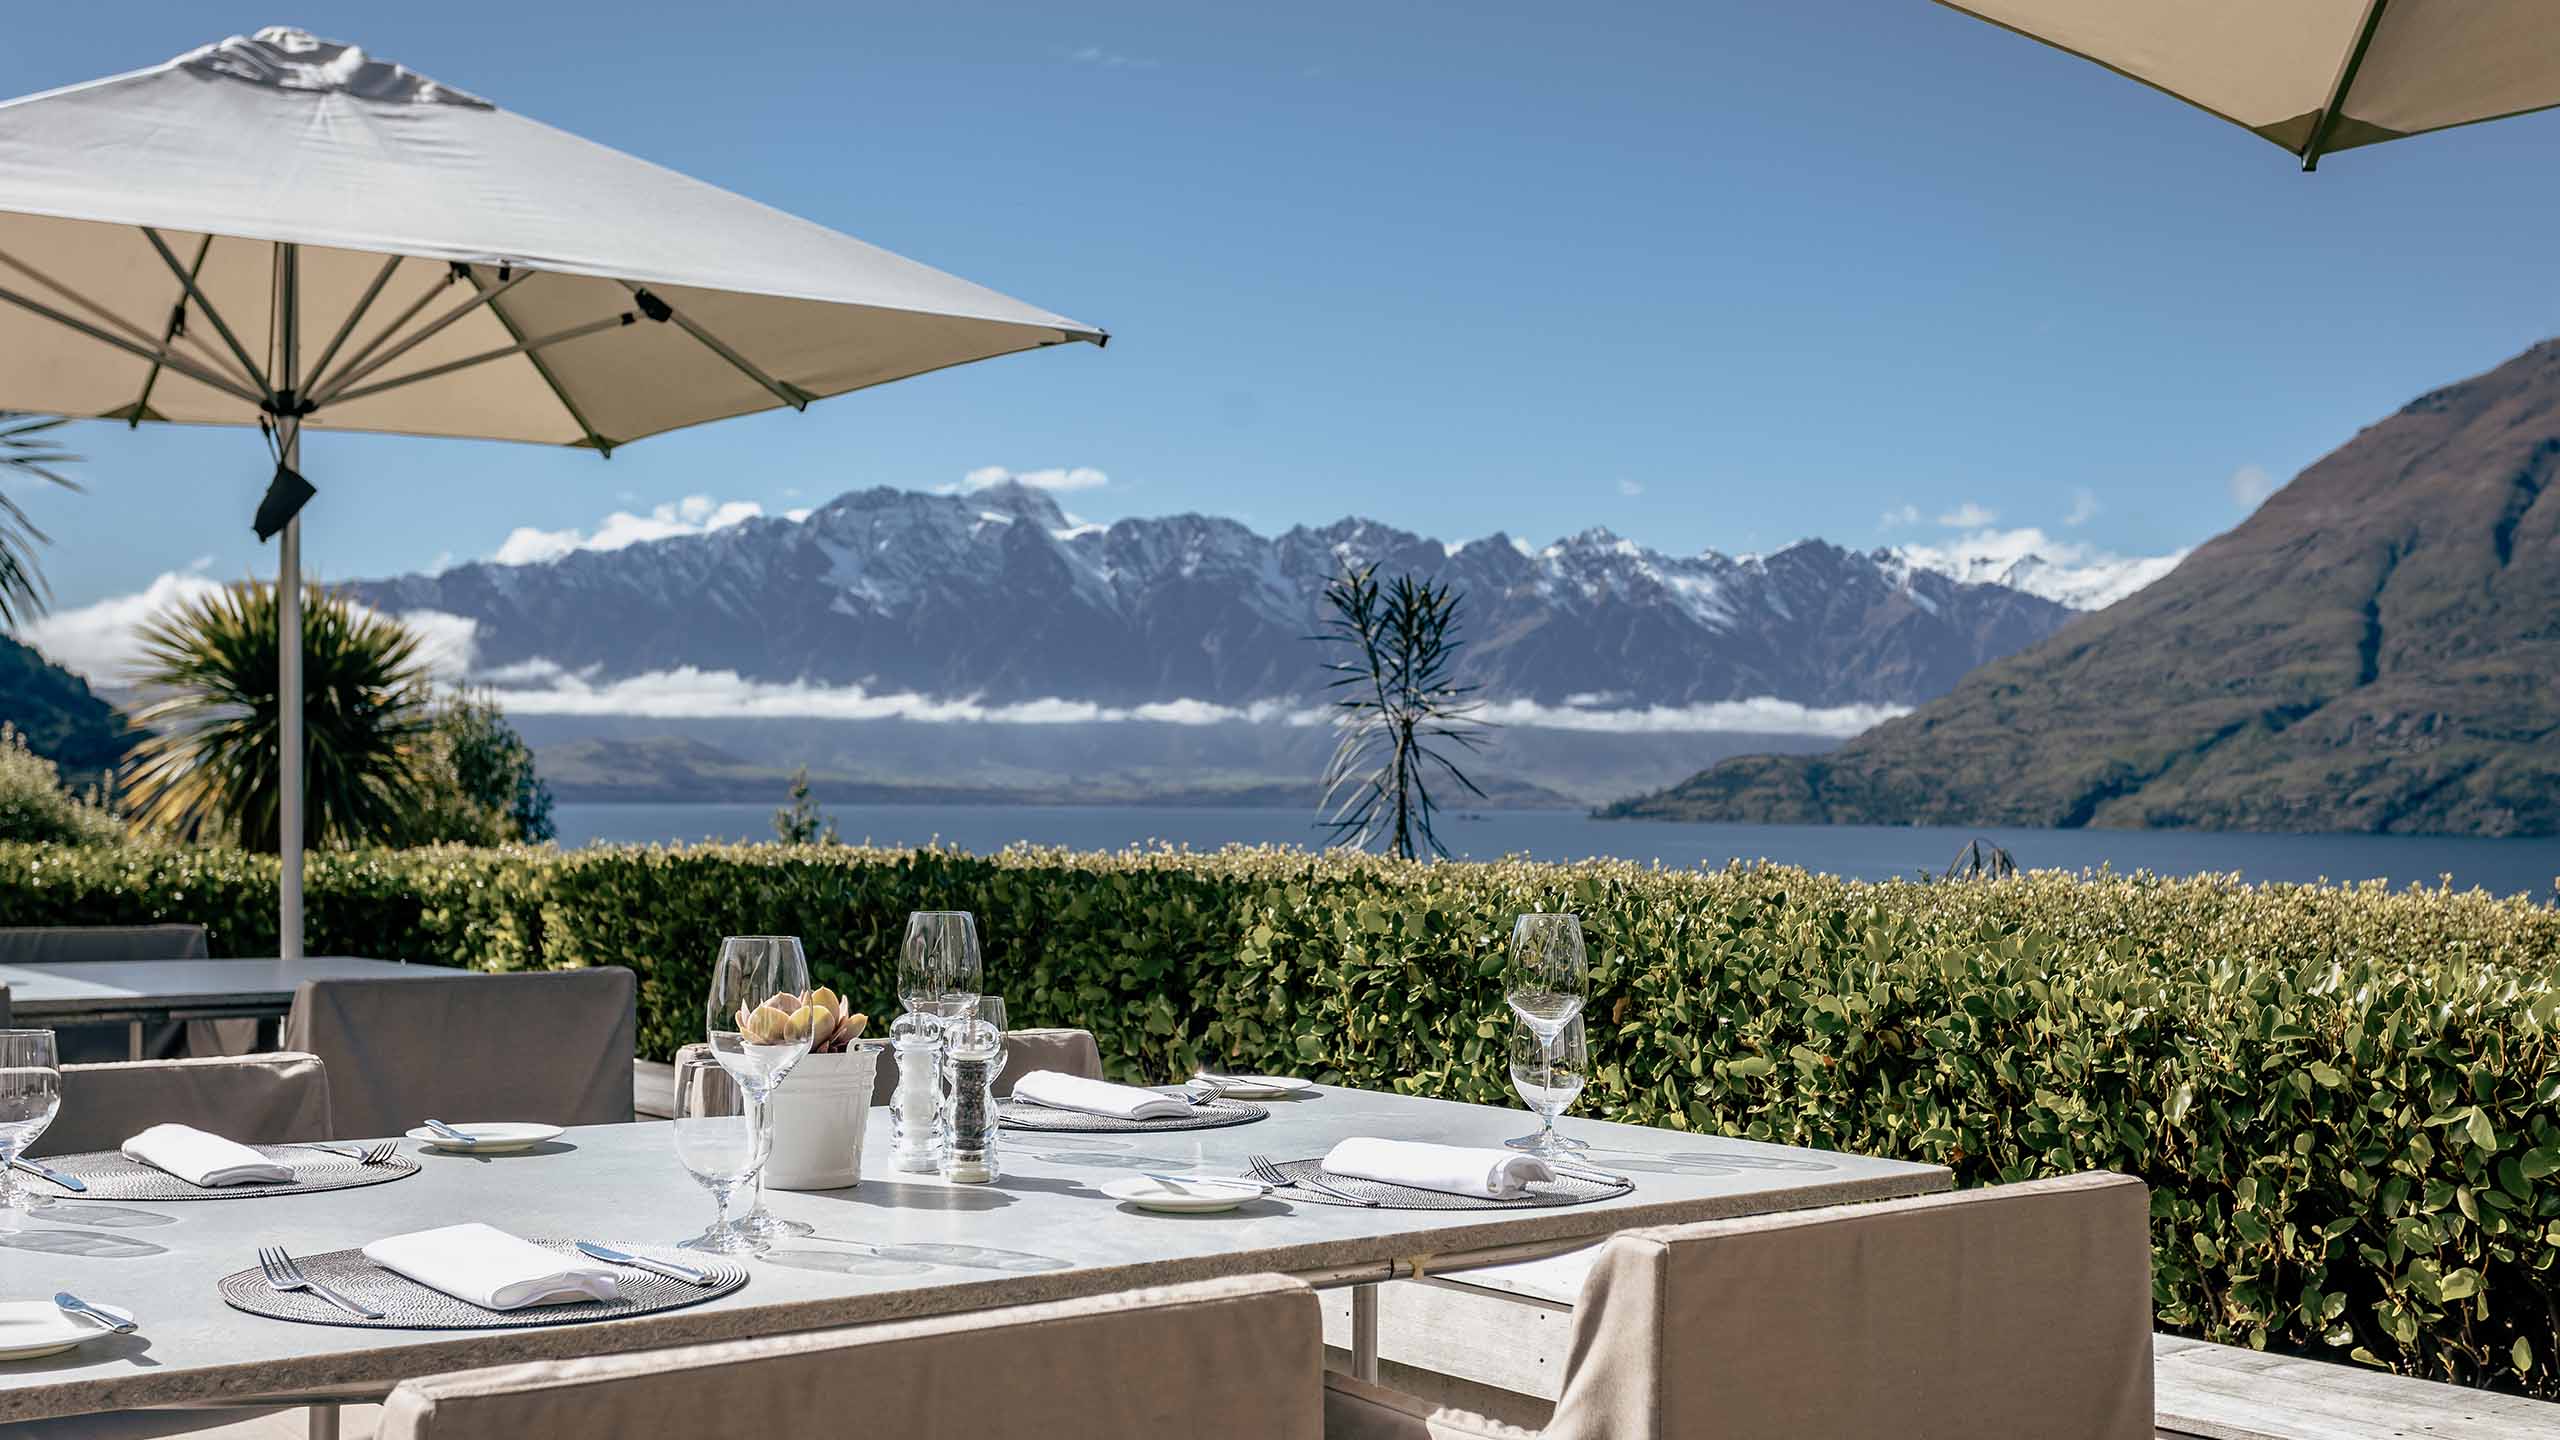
pixel 822 1015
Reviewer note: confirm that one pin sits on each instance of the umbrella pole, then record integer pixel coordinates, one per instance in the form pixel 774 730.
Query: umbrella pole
pixel 289 621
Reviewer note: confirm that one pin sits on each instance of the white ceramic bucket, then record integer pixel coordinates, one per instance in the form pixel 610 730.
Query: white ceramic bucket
pixel 819 1114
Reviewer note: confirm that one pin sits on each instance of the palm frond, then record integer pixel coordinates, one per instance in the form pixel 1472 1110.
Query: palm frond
pixel 23 591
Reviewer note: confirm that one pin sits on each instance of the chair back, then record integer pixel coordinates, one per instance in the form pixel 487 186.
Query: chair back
pixel 4 1008
pixel 254 1099
pixel 2015 1310
pixel 1241 1357
pixel 73 944
pixel 552 1046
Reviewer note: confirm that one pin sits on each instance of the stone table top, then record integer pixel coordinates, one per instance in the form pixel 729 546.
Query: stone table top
pixel 91 987
pixel 895 1246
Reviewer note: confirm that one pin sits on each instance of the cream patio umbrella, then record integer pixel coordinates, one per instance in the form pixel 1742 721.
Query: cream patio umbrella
pixel 284 232
pixel 2314 76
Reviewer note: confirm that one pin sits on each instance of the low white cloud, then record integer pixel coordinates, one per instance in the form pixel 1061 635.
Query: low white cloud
pixel 2251 485
pixel 2066 572
pixel 692 515
pixel 1969 515
pixel 1766 714
pixel 102 641
pixel 2084 508
pixel 1056 478
pixel 796 516
pixel 1899 515
pixel 690 693
pixel 1631 488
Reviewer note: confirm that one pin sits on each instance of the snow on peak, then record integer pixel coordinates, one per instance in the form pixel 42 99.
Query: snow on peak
pixel 2063 571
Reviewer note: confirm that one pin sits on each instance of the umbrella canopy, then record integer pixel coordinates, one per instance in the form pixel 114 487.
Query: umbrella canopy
pixel 2314 76
pixel 284 232
pixel 461 270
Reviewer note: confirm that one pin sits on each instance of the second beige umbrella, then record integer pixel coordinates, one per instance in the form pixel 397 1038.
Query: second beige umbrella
pixel 2314 76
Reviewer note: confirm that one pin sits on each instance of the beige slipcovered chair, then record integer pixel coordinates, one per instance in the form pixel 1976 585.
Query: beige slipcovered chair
pixel 1071 1052
pixel 552 1046
pixel 1239 1358
pixel 2017 1312
pixel 255 1099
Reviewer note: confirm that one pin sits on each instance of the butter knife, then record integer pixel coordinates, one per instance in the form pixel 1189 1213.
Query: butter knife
pixel 73 1304
pixel 668 1268
pixel 43 1171
pixel 450 1136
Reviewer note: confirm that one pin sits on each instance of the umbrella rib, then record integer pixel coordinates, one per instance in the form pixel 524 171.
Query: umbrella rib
pixel 347 327
pixel 601 445
pixel 137 333
pixel 177 321
pixel 790 395
pixel 169 258
pixel 2347 68
pixel 425 333
pixel 365 351
pixel 521 347
pixel 161 355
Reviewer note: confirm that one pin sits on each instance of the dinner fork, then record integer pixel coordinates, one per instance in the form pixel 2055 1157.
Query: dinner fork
pixel 283 1274
pixel 1272 1175
pixel 379 1153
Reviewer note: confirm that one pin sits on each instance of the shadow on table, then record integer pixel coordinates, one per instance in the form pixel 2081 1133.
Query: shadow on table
pixel 906 1195
pixel 530 1152
pixel 133 1349
pixel 1249 1210
pixel 104 1217
pixel 86 1244
pixel 837 1262
pixel 1114 1162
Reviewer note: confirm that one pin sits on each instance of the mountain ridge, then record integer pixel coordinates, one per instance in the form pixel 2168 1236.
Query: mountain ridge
pixel 2372 650
pixel 998 595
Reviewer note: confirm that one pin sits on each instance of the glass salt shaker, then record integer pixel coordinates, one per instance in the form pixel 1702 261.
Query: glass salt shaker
pixel 915 1110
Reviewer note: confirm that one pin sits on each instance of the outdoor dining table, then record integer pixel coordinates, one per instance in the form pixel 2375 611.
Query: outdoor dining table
pixel 896 1246
pixel 92 992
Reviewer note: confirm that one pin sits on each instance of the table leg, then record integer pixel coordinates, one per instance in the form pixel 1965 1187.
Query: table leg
pixel 324 1422
pixel 1364 1333
pixel 133 1039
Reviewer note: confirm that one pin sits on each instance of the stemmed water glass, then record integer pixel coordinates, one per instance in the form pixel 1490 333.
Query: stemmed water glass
pixel 938 967
pixel 1544 986
pixel 758 1031
pixel 30 1094
pixel 1548 1075
pixel 719 1142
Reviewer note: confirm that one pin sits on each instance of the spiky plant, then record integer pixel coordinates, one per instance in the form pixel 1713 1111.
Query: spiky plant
pixel 1400 713
pixel 211 772
pixel 25 450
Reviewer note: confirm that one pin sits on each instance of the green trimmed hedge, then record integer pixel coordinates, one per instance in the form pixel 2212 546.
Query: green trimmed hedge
pixel 2343 1098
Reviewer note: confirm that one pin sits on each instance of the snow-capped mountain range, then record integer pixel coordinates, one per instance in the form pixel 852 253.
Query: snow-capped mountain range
pixel 997 596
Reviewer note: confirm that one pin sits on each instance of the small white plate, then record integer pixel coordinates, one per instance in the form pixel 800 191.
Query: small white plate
pixel 33 1328
pixel 492 1137
pixel 1183 1196
pixel 1263 1087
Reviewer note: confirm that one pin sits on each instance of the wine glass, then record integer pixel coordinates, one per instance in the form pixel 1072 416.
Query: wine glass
pixel 30 1094
pixel 758 1030
pixel 1549 1074
pixel 938 969
pixel 1547 976
pixel 719 1142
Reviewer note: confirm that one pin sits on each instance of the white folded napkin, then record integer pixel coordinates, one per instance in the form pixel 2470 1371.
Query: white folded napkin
pixel 1450 1169
pixel 491 1268
pixel 202 1158
pixel 1097 1097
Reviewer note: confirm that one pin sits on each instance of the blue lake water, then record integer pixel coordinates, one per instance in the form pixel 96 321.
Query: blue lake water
pixel 1860 851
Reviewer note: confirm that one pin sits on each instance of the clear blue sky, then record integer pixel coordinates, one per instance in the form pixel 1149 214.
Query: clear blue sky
pixel 1711 275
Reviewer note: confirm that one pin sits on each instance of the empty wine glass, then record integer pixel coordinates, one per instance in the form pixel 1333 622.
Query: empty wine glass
pixel 719 1141
pixel 1549 1074
pixel 759 1029
pixel 30 1095
pixel 938 969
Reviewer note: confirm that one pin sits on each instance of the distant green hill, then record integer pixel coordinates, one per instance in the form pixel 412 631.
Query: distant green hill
pixel 63 720
pixel 2376 649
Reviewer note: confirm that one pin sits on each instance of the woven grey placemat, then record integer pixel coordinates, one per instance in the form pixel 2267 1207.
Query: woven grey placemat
pixel 1208 1115
pixel 110 1176
pixel 408 1305
pixel 1544 1194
